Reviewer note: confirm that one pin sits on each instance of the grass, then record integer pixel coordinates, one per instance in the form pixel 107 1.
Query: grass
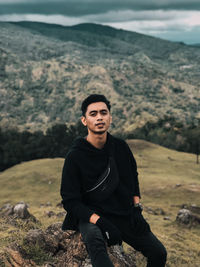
pixel 168 179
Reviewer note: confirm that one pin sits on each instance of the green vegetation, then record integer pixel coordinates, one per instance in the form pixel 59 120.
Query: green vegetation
pixel 168 179
pixel 16 146
pixel 170 133
pixel 35 253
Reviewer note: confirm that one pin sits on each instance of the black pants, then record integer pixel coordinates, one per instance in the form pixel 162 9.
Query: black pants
pixel 147 243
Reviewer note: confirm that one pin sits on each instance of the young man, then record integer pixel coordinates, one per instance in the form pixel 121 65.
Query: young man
pixel 100 191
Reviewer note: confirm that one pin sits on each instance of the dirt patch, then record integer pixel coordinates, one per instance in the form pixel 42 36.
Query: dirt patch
pixel 194 187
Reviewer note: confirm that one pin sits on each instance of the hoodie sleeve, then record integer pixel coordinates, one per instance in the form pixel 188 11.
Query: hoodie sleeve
pixel 71 191
pixel 136 188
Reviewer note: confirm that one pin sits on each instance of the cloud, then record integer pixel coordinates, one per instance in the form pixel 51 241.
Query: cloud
pixel 88 7
pixel 173 25
pixel 171 18
pixel 126 19
pixel 55 19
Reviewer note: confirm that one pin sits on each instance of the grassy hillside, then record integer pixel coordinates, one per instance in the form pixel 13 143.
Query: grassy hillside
pixel 168 179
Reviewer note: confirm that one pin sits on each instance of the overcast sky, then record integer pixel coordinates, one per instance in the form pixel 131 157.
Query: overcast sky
pixel 176 20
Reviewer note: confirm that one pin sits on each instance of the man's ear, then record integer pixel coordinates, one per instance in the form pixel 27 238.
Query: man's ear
pixel 83 120
pixel 110 119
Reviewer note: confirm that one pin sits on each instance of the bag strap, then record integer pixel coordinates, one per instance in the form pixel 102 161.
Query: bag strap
pixel 106 172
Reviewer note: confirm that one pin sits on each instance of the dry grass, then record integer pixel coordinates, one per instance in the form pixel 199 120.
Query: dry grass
pixel 169 179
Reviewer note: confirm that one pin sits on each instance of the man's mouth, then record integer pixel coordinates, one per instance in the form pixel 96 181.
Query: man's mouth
pixel 100 124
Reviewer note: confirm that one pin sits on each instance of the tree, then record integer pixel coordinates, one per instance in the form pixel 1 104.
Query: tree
pixel 193 141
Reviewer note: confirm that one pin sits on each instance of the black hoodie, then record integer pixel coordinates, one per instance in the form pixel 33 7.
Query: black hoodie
pixel 83 164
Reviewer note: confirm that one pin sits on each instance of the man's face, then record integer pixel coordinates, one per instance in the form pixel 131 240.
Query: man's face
pixel 97 118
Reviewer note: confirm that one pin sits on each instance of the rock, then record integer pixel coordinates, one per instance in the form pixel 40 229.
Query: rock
pixel 166 218
pixel 59 205
pixel 157 211
pixel 14 258
pixel 50 213
pixel 48 204
pixel 171 159
pixel 21 211
pixel 35 237
pixel 18 216
pixel 61 214
pixel 7 209
pixel 185 216
pixel 193 208
pixel 66 249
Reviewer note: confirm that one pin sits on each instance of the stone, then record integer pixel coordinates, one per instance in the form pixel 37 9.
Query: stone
pixel 7 209
pixel 59 205
pixel 47 204
pixel 184 216
pixel 14 258
pixel 194 208
pixel 157 211
pixel 21 211
pixel 18 215
pixel 50 213
pixel 35 236
pixel 61 214
pixel 187 217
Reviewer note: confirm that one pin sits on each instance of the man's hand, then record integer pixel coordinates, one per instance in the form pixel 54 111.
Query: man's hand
pixel 138 222
pixel 109 231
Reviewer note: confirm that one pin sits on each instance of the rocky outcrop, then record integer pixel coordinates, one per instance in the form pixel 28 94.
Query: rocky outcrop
pixel 67 247
pixel 63 249
pixel 51 247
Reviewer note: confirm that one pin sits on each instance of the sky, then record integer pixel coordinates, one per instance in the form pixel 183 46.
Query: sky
pixel 175 20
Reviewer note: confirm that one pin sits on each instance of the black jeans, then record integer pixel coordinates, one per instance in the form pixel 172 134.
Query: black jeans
pixel 147 243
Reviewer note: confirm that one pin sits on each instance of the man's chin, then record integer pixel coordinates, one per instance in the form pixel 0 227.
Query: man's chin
pixel 99 132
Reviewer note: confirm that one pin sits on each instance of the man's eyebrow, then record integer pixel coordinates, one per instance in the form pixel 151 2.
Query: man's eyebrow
pixel 98 110
pixel 93 111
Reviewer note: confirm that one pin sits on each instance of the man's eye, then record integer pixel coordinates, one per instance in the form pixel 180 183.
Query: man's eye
pixel 93 114
pixel 104 112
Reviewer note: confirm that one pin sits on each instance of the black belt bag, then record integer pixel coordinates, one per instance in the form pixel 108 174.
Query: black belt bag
pixel 105 185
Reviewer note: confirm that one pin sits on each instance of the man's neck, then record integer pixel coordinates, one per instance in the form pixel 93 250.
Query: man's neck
pixel 97 140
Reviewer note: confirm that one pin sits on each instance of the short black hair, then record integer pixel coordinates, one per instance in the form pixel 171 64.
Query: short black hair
pixel 93 99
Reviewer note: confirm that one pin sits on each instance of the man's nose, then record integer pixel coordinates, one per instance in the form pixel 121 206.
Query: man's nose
pixel 99 116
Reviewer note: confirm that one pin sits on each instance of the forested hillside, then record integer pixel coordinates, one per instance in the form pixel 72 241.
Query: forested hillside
pixel 46 71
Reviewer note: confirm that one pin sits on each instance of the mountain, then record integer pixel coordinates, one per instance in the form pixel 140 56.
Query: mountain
pixel 46 70
pixel 195 45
